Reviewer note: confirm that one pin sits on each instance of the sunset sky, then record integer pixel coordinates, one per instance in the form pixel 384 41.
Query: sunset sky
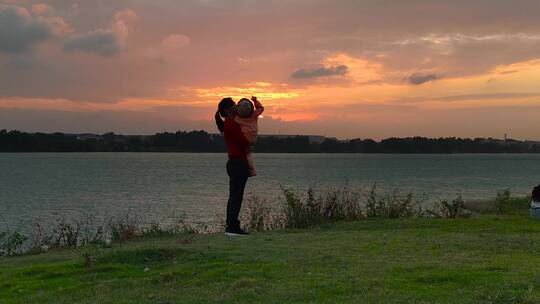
pixel 368 69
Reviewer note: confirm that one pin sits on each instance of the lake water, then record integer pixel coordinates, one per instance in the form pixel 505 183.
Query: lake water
pixel 159 186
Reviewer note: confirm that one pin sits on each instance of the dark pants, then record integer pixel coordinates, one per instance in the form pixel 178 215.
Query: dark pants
pixel 237 169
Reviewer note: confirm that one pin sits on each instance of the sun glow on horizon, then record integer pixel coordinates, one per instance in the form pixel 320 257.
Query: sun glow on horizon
pixel 263 90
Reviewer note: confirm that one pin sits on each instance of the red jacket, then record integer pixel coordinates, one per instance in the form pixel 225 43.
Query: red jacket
pixel 237 144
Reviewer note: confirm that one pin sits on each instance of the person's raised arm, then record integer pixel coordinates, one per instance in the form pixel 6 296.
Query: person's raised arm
pixel 259 108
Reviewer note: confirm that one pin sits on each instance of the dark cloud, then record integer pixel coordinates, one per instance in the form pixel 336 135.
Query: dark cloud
pixel 18 32
pixel 320 72
pixel 418 79
pixel 102 43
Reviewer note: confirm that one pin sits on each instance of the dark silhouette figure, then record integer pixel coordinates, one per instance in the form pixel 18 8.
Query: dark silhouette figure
pixel 237 165
pixel 536 194
pixel 535 202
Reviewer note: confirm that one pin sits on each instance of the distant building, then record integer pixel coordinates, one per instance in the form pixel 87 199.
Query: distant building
pixel 313 139
pixel 86 136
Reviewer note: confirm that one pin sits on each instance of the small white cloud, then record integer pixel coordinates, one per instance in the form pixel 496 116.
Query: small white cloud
pixel 41 9
pixel 57 25
pixel 74 11
pixel 175 41
pixel 122 22
pixel 168 47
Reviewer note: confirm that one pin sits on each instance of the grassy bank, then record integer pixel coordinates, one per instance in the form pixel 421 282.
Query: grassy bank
pixel 484 259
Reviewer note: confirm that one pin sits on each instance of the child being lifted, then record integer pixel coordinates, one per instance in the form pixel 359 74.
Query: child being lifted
pixel 247 118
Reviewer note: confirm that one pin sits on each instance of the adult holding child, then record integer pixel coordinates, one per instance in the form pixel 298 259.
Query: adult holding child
pixel 233 127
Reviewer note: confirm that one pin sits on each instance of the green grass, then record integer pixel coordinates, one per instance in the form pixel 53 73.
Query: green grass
pixel 486 259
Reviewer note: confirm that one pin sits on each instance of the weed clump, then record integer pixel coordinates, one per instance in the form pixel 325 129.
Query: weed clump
pixel 11 242
pixel 301 211
pixel 505 203
pixel 502 201
pixel 259 215
pixel 85 231
pixel 329 206
pixel 452 210
pixel 124 228
pixel 391 206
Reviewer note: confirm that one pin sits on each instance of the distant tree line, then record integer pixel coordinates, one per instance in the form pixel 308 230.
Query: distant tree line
pixel 201 141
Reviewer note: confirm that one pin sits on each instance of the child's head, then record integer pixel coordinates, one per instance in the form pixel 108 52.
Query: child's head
pixel 244 108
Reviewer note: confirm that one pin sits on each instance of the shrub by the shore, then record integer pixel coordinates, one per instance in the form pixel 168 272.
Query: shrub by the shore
pixel 301 210
pixel 298 210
